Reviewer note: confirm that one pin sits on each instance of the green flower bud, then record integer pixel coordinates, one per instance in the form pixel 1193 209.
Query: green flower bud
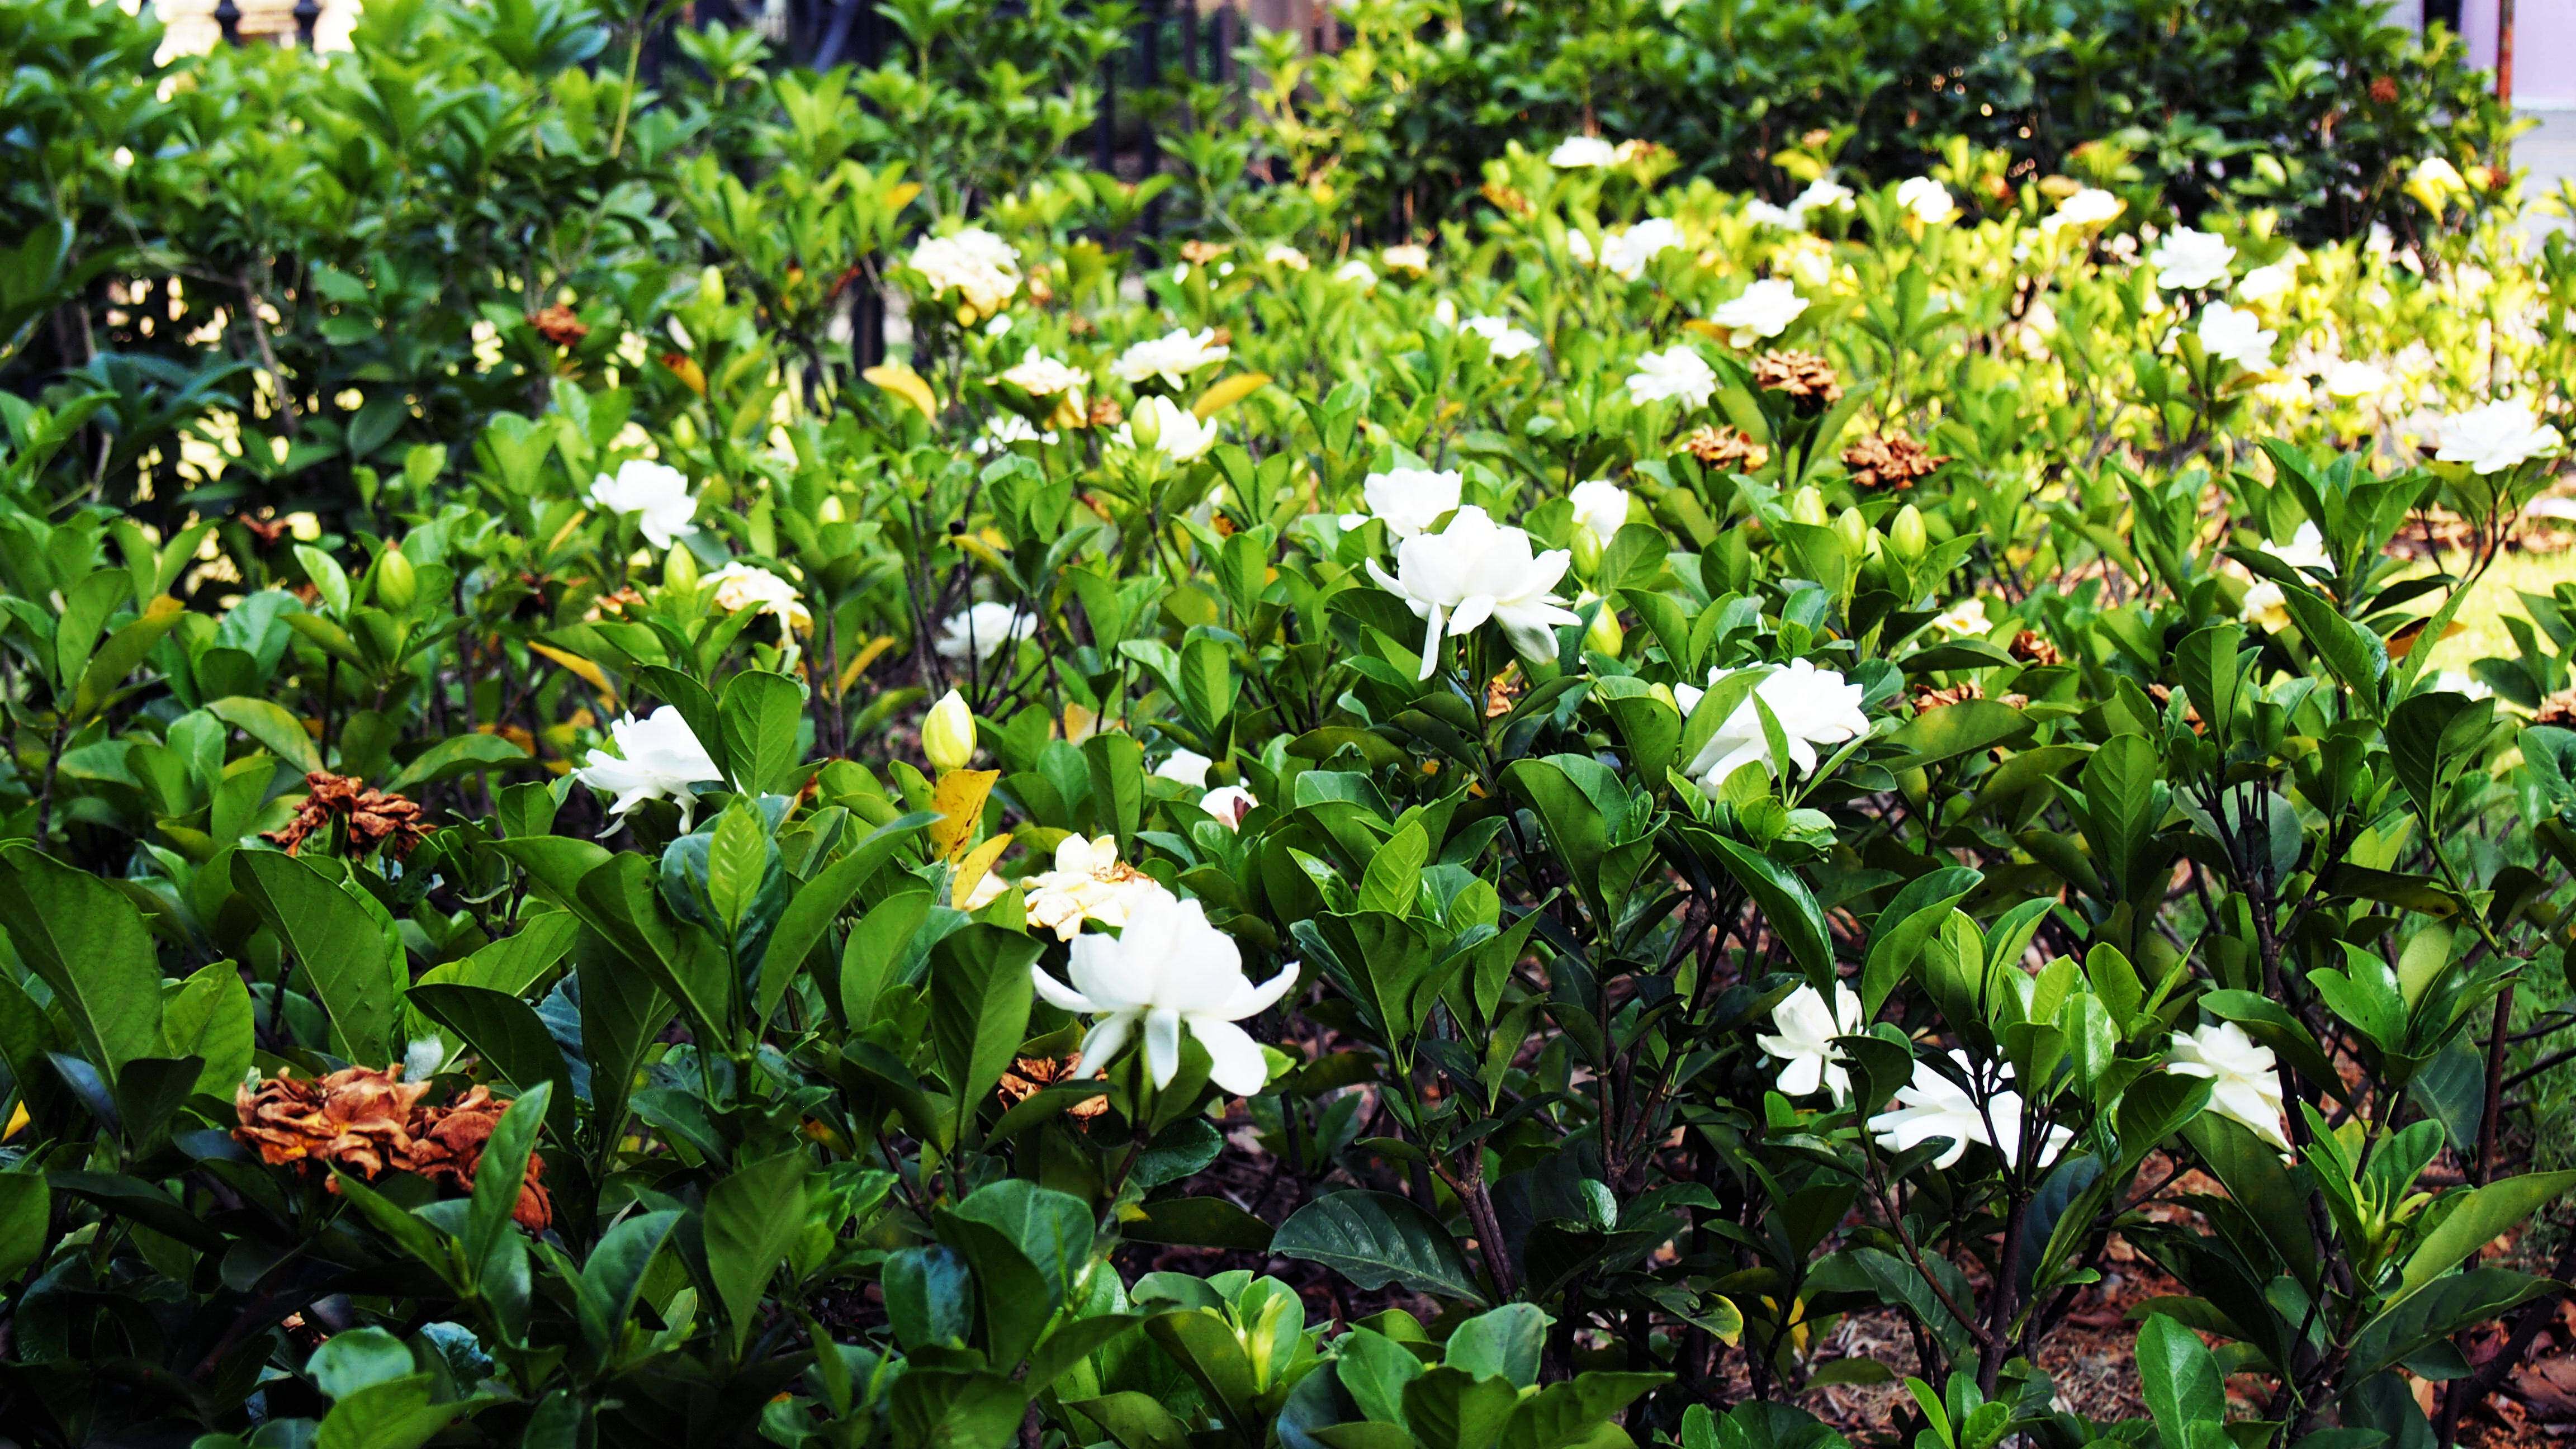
pixel 711 286
pixel 948 734
pixel 1853 530
pixel 1607 635
pixel 1586 547
pixel 1807 506
pixel 396 583
pixel 1907 536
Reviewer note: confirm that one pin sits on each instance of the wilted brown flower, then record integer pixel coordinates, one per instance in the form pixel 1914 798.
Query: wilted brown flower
pixel 1508 199
pixel 268 531
pixel 1222 337
pixel 1040 290
pixel 2383 89
pixel 1500 691
pixel 2558 709
pixel 447 1147
pixel 355 1119
pixel 1890 460
pixel 2029 648
pixel 1028 1075
pixel 1802 376
pixel 1927 697
pixel 1105 412
pixel 374 818
pixel 1199 253
pixel 558 325
pixel 1724 447
pixel 616 604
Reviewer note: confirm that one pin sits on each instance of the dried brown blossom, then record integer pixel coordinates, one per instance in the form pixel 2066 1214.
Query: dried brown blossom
pixel 2029 648
pixel 1802 377
pixel 269 532
pixel 1105 412
pixel 355 1119
pixel 2383 89
pixel 616 605
pixel 1199 253
pixel 559 325
pixel 373 817
pixel 447 1148
pixel 1029 1075
pixel 1724 447
pixel 1500 691
pixel 1890 460
pixel 2558 709
pixel 1508 200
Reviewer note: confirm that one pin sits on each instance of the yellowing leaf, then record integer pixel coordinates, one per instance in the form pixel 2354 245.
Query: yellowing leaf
pixel 959 799
pixel 901 196
pixel 686 369
pixel 907 384
pixel 1227 392
pixel 589 673
pixel 972 870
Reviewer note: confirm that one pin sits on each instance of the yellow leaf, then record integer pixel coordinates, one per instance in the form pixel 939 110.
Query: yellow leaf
pixel 589 672
pixel 1227 392
pixel 901 196
pixel 860 661
pixel 983 548
pixel 972 870
pixel 905 383
pixel 1706 328
pixel 17 1123
pixel 686 369
pixel 959 799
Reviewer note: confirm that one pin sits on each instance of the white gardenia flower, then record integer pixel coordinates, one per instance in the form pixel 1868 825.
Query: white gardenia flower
pixel 1580 245
pixel 1934 1106
pixel 423 1058
pixel 1406 500
pixel 2244 1082
pixel 1763 213
pixel 1813 706
pixel 1187 766
pixel 983 630
pixel 1601 506
pixel 1805 1043
pixel 1357 273
pixel 1821 194
pixel 2453 681
pixel 657 758
pixel 1475 570
pixel 2264 283
pixel 1039 375
pixel 1583 153
pixel 2495 437
pixel 983 268
pixel 2305 550
pixel 2349 379
pixel 1928 199
pixel 1676 372
pixel 1003 429
pixel 741 586
pixel 1765 310
pixel 1089 883
pixel 1172 357
pixel 2267 604
pixel 1411 258
pixel 1282 254
pixel 1181 435
pixel 657 493
pixel 1626 252
pixel 1168 969
pixel 2188 260
pixel 1965 618
pixel 1503 339
pixel 1229 804
pixel 2091 206
pixel 2237 336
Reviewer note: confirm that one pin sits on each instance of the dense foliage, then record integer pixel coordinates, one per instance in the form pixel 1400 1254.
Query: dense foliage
pixel 1672 768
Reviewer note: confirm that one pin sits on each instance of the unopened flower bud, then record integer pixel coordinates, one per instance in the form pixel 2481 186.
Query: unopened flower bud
pixel 1607 635
pixel 396 584
pixel 711 286
pixel 1586 547
pixel 1807 506
pixel 1853 530
pixel 1906 535
pixel 1664 692
pixel 1146 425
pixel 948 735
pixel 680 569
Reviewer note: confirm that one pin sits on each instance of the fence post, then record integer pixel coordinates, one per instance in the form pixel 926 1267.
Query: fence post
pixel 228 20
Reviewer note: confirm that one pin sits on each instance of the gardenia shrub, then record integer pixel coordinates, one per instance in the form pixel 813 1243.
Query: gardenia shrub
pixel 1468 843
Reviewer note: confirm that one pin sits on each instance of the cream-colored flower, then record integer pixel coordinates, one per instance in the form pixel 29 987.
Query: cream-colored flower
pixel 658 758
pixel 1284 255
pixel 1932 1106
pixel 2188 260
pixel 1583 153
pixel 983 630
pixel 1039 375
pixel 1602 507
pixel 1168 969
pixel 2235 335
pixel 1502 339
pixel 1804 1043
pixel 1408 259
pixel 1929 200
pixel 1627 251
pixel 1965 618
pixel 2245 1084
pixel 1765 309
pixel 1089 883
pixel 2266 604
pixel 1171 357
pixel 1407 500
pixel 1189 767
pixel 1676 372
pixel 1812 707
pixel 1475 570
pixel 2497 436
pixel 1229 804
pixel 983 269
pixel 2305 550
pixel 741 586
pixel 1357 273
pixel 656 493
